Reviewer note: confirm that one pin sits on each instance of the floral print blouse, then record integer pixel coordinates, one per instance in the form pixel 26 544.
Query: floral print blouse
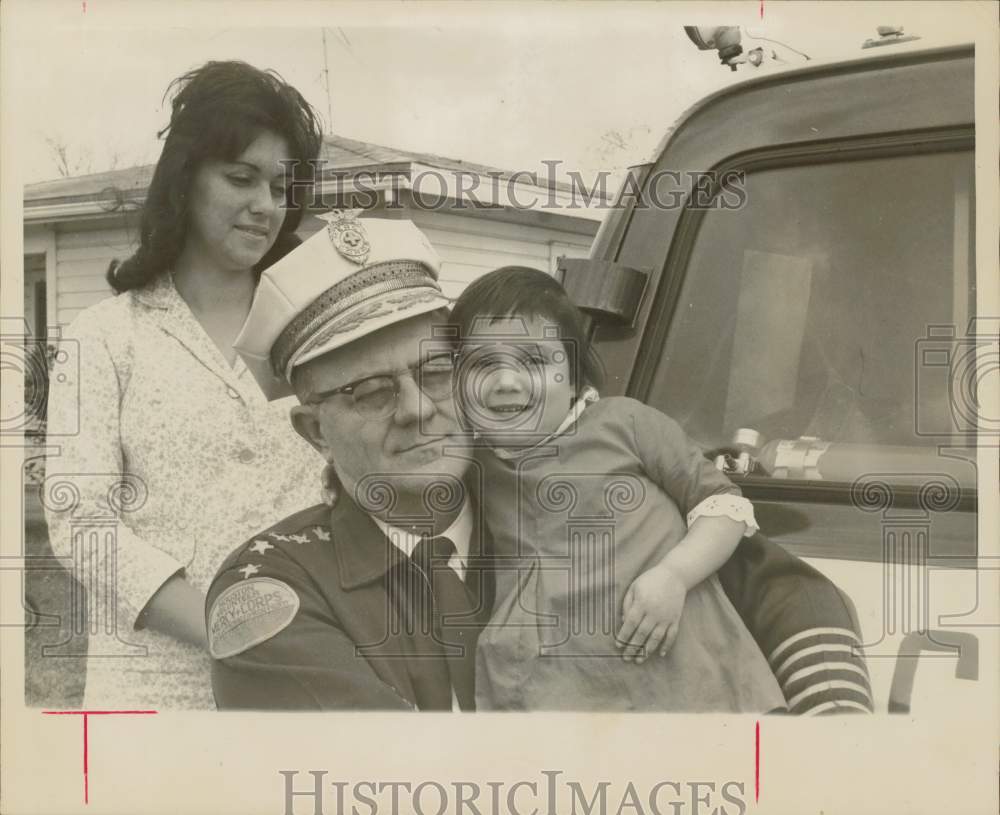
pixel 163 458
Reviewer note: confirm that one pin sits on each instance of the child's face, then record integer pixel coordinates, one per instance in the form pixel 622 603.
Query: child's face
pixel 514 377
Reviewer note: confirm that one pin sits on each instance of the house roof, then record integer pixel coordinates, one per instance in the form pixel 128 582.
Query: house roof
pixel 339 153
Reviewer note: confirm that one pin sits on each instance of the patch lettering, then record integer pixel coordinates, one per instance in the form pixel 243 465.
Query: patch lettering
pixel 248 613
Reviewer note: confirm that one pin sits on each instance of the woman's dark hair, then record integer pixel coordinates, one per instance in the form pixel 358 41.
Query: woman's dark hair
pixel 531 293
pixel 217 111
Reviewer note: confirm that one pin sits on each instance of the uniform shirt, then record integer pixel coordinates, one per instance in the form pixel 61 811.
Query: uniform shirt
pixel 458 533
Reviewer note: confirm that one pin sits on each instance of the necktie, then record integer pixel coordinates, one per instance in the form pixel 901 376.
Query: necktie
pixel 452 614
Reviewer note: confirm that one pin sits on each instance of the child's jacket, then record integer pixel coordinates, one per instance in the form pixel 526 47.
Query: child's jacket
pixel 574 522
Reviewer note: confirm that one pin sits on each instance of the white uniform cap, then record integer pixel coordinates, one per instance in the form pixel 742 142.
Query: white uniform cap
pixel 348 280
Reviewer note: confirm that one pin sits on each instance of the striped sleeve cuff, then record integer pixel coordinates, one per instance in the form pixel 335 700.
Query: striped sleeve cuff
pixel 821 671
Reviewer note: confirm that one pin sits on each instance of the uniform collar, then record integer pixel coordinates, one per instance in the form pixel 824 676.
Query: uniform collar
pixel 364 547
pixel 363 553
pixel 459 533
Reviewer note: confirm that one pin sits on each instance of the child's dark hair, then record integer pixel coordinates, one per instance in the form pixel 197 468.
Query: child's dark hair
pixel 532 293
pixel 217 110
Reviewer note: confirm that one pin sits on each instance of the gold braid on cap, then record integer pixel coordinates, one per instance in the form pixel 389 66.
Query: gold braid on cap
pixel 370 282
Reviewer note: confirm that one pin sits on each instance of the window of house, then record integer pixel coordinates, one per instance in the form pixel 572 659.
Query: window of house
pixel 34 295
pixel 35 361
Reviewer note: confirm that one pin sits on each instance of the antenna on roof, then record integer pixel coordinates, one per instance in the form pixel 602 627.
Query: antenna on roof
pixel 326 84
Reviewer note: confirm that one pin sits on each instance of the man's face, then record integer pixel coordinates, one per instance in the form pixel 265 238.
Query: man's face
pixel 403 449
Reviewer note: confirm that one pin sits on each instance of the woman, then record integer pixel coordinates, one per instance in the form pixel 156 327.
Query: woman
pixel 165 407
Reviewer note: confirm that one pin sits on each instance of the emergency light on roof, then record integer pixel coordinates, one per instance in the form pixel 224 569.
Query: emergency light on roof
pixel 726 40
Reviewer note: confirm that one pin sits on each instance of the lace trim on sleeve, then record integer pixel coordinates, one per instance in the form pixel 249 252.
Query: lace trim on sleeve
pixel 731 506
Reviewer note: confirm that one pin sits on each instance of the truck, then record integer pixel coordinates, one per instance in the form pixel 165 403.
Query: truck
pixel 792 278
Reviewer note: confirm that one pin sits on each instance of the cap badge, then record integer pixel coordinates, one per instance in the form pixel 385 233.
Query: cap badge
pixel 347 234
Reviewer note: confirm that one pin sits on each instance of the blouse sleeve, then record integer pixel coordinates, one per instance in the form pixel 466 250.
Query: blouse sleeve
pixel 86 488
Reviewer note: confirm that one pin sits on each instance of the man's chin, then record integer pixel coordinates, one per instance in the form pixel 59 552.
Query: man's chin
pixel 416 497
pixel 443 469
pixel 435 486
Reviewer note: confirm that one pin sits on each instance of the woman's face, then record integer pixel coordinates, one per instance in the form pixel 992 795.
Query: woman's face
pixel 237 207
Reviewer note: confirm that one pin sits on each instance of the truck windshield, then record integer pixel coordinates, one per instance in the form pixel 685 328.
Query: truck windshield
pixel 811 311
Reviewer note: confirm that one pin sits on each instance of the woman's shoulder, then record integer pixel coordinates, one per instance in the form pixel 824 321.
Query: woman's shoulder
pixel 118 316
pixel 106 317
pixel 111 324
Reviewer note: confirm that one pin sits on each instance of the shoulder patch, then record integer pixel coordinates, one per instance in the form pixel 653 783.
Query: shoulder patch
pixel 248 613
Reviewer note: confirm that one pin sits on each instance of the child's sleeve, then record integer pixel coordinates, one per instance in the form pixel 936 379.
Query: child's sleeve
pixel 679 466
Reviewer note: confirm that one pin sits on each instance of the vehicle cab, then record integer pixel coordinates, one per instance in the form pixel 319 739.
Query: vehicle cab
pixel 793 280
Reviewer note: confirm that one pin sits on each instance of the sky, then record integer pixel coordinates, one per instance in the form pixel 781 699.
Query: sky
pixel 592 85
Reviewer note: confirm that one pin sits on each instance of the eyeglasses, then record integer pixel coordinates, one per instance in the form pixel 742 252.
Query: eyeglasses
pixel 376 397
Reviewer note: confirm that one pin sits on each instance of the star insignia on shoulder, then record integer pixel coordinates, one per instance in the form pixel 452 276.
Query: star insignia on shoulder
pixel 321 533
pixel 260 546
pixel 283 538
pixel 248 570
pixel 299 538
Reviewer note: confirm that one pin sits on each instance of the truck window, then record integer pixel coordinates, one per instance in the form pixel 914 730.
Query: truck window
pixel 801 314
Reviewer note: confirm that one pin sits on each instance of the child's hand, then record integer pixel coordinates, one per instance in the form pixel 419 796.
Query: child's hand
pixel 651 614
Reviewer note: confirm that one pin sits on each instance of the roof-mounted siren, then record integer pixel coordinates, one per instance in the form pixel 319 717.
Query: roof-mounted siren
pixel 889 35
pixel 726 40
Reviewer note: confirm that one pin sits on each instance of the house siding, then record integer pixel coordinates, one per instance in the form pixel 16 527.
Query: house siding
pixel 468 246
pixel 83 252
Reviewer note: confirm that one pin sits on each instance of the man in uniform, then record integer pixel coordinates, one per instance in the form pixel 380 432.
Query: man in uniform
pixel 375 602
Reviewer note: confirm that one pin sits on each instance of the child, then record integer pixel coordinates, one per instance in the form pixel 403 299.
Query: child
pixel 586 500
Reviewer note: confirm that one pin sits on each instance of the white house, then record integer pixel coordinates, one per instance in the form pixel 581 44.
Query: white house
pixel 477 217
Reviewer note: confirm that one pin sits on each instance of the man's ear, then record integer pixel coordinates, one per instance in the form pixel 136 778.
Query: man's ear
pixel 306 424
